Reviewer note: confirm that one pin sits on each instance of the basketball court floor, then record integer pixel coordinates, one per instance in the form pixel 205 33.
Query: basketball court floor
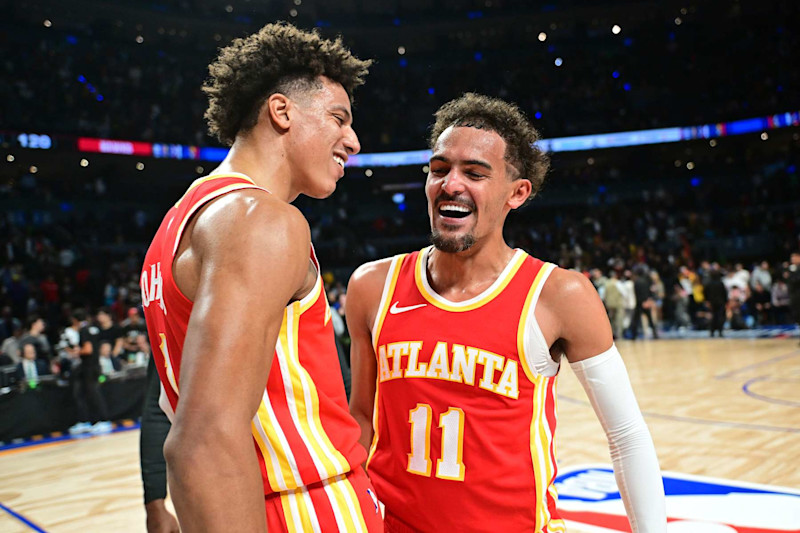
pixel 727 409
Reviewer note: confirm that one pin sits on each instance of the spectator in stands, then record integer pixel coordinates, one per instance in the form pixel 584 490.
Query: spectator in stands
pixel 142 354
pixel 31 367
pixel 628 298
pixel 780 300
pixel 717 296
pixel 642 288
pixel 680 300
pixel 69 350
pixel 615 304
pixel 109 363
pixel 10 349
pixel 761 275
pixel 133 327
pixel 35 335
pixel 760 304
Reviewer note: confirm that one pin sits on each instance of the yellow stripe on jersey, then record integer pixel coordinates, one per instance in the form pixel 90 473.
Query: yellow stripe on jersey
pixel 386 298
pixel 556 525
pixel 298 511
pixel 345 504
pixel 168 363
pixel 375 426
pixel 199 181
pixel 354 505
pixel 523 318
pixel 301 393
pixel 540 444
pixel 282 472
pixel 421 279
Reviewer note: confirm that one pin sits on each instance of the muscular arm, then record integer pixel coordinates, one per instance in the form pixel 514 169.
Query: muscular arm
pixel 251 256
pixel 575 316
pixel 363 297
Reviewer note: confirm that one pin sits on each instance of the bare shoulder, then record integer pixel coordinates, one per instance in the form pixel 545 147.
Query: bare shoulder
pixel 576 314
pixel 364 294
pixel 370 274
pixel 567 288
pixel 252 218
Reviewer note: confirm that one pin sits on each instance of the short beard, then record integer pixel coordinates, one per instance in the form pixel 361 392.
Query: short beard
pixel 452 245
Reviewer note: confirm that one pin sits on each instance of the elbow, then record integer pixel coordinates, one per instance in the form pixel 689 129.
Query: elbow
pixel 189 445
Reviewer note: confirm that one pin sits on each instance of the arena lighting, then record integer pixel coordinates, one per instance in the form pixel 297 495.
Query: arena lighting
pixel 420 157
pixel 559 61
pixel 542 36
pixel 616 29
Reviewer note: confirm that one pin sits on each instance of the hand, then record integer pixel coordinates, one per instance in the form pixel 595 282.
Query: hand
pixel 159 520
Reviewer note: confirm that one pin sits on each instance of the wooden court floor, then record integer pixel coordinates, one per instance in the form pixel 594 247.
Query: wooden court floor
pixel 718 407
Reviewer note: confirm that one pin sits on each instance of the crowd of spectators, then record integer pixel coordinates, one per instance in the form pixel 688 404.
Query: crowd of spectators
pixel 651 74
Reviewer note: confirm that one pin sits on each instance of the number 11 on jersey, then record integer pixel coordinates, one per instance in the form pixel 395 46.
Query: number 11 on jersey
pixel 450 465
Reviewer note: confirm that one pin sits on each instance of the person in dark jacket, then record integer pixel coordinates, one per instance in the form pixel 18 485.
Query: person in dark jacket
pixel 642 287
pixel 717 296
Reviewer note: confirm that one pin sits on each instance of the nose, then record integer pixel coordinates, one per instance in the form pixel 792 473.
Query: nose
pixel 452 183
pixel 351 144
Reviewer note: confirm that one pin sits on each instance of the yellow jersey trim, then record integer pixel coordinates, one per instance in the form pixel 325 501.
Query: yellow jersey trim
pixel 502 281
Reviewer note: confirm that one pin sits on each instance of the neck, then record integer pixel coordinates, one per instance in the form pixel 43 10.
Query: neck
pixel 261 157
pixel 464 275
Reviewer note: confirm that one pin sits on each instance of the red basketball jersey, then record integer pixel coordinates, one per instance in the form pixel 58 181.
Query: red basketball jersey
pixel 302 432
pixel 464 422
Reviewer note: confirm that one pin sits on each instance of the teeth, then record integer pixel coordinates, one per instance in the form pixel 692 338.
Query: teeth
pixel 458 208
pixel 339 161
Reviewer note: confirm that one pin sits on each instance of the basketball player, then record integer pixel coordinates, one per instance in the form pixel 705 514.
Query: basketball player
pixel 236 311
pixel 456 350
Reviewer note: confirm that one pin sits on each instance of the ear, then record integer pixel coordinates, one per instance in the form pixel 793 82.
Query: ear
pixel 520 193
pixel 276 109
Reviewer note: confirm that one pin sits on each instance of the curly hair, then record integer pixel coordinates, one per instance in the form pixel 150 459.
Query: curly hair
pixel 278 58
pixel 505 119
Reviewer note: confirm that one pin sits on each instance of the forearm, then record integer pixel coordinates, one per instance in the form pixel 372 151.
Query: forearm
pixel 365 423
pixel 636 469
pixel 215 482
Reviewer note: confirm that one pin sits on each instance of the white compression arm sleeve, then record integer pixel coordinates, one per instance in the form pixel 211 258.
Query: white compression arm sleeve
pixel 605 380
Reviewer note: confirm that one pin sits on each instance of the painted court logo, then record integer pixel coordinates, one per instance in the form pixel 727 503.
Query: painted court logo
pixel 588 500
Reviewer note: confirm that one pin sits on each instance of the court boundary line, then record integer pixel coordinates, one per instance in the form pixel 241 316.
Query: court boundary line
pixel 761 397
pixel 22 519
pixel 765 362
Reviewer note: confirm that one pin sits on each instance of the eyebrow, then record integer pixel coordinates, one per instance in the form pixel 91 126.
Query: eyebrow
pixel 343 109
pixel 468 162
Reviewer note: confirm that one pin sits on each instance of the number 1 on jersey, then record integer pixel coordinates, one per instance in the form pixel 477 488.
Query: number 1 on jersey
pixel 450 465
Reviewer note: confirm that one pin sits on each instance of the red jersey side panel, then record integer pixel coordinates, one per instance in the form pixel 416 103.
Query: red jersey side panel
pixel 302 432
pixel 463 428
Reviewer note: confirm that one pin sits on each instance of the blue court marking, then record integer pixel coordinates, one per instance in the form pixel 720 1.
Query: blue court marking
pixel 48 440
pixel 691 420
pixel 778 401
pixel 22 519
pixel 766 362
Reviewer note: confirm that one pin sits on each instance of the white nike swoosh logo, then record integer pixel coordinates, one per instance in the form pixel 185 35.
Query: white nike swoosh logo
pixel 396 309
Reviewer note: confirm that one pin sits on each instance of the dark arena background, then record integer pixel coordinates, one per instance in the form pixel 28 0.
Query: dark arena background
pixel 674 132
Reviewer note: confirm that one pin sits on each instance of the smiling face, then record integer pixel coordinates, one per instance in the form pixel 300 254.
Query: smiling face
pixel 322 138
pixel 470 188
